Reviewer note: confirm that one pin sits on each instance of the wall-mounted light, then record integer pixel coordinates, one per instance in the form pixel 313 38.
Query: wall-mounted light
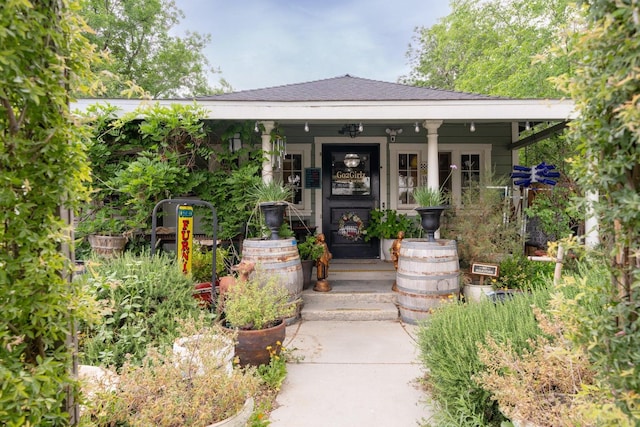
pixel 352 130
pixel 235 143
pixel 306 126
pixel 472 127
pixel 417 128
pixel 392 133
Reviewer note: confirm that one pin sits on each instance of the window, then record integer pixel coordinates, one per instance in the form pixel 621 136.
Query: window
pixel 291 171
pixel 407 177
pixel 470 170
pixel 292 175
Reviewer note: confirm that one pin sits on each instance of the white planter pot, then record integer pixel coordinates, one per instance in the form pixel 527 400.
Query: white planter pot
pixel 224 354
pixel 477 293
pixel 385 246
pixel 240 419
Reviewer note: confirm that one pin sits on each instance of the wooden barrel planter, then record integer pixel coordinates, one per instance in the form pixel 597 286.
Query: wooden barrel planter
pixel 428 274
pixel 280 258
pixel 107 245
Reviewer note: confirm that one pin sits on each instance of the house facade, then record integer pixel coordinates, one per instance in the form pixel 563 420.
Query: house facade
pixel 353 144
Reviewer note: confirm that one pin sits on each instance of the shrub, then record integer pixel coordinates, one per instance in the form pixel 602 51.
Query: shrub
pixel 448 348
pixel 143 299
pixel 592 322
pixel 518 272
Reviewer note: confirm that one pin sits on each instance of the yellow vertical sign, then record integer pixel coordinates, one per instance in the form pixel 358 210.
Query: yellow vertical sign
pixel 184 241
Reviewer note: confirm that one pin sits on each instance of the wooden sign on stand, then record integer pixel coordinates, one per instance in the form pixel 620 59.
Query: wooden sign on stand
pixel 485 270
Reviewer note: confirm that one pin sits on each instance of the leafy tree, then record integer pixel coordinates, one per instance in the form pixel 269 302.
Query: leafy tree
pixel 135 33
pixel 42 164
pixel 606 90
pixel 489 47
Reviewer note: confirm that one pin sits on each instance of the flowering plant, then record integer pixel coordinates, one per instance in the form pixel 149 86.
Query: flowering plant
pixel 426 196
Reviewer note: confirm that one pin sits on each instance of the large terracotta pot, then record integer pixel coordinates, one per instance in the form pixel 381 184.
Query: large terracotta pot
pixel 251 346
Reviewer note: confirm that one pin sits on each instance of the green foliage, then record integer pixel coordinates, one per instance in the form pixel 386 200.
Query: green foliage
pixel 43 168
pixel 272 191
pixel 426 196
pixel 274 373
pixel 385 224
pixel 592 316
pixel 144 298
pixel 448 348
pixel 141 48
pixel 493 47
pixel 310 249
pixel 518 272
pixel 555 212
pixel 605 89
pixel 202 263
pixel 482 225
pixel 258 303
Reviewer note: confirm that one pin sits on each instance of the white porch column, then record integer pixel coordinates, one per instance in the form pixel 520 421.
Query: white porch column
pixel 433 176
pixel 267 167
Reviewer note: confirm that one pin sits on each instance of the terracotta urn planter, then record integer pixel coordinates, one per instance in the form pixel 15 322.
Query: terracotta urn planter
pixel 251 345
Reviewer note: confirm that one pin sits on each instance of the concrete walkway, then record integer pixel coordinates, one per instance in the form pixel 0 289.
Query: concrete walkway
pixel 352 374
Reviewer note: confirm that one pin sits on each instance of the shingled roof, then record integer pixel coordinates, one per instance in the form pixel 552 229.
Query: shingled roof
pixel 345 88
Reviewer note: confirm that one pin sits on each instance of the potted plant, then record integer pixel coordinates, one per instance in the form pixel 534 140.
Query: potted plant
pixel 431 202
pixel 384 224
pixel 310 250
pixel 190 387
pixel 202 270
pixel 272 198
pixel 256 309
pixel 105 229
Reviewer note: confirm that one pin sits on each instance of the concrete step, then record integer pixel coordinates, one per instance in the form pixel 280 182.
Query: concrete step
pixel 351 301
pixel 361 270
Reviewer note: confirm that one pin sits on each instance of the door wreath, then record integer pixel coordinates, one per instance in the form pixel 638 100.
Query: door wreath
pixel 350 226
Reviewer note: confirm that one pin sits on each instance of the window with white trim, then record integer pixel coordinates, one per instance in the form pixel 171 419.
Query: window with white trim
pixel 291 173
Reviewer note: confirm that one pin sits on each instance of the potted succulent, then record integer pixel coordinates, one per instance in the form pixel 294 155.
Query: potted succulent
pixel 256 309
pixel 384 224
pixel 272 198
pixel 310 250
pixel 431 202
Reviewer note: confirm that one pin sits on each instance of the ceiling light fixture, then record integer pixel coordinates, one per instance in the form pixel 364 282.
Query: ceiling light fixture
pixel 472 128
pixel 256 129
pixel 306 126
pixel 417 128
pixel 527 126
pixel 352 130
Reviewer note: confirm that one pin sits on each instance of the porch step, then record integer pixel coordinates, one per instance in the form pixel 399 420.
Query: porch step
pixel 351 301
pixel 361 270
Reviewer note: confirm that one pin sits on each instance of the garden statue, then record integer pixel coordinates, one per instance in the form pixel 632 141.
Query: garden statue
pixel 322 266
pixel 395 255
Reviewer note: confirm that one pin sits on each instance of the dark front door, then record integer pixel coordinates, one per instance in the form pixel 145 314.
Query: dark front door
pixel 350 190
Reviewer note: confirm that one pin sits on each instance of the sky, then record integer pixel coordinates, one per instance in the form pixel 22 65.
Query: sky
pixel 265 43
